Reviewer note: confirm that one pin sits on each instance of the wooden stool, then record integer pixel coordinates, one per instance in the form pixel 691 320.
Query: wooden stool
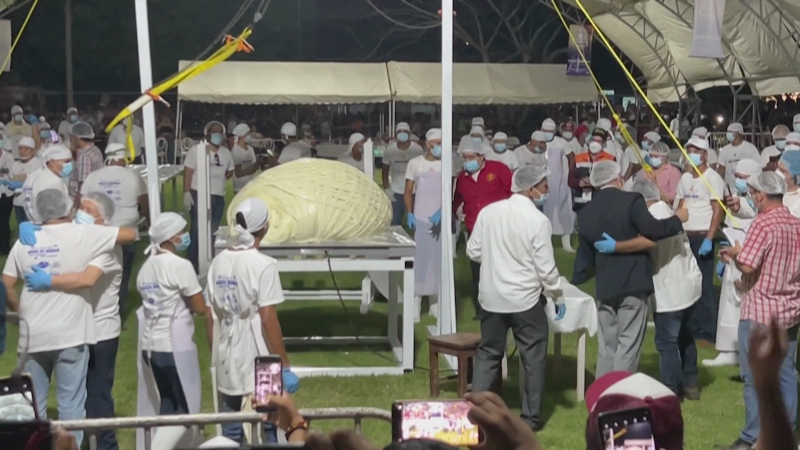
pixel 463 346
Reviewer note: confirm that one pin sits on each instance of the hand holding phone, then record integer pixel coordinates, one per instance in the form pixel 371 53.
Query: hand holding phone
pixel 268 381
pixel 445 421
pixel 630 428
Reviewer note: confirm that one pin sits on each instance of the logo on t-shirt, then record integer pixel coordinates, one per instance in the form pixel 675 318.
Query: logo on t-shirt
pixel 491 177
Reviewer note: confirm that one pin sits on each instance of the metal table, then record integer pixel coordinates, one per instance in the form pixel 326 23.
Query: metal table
pixel 389 261
pixel 166 172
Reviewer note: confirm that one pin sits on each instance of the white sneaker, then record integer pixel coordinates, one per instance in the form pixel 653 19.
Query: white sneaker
pixel 433 310
pixel 723 359
pixel 566 243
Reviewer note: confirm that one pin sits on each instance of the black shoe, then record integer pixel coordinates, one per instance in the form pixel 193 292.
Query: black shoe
pixel 691 393
pixel 738 444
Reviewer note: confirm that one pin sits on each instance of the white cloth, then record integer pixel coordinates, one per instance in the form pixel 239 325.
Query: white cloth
pixel 558 207
pixel 508 157
pixel 20 171
pixel 36 182
pixel 58 319
pixel 673 260
pixel 397 160
pixel 428 257
pixel 580 313
pixel 294 151
pixel 220 164
pixel 418 166
pixel 118 135
pixel 511 240
pixel 730 155
pixel 164 281
pixel 791 200
pixel 124 186
pixel 105 295
pixel 730 299
pixel 245 157
pixel 697 198
pixel 239 283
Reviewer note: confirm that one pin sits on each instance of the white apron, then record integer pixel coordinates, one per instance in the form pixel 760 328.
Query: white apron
pixel 558 207
pixel 148 401
pixel 730 301
pixel 428 260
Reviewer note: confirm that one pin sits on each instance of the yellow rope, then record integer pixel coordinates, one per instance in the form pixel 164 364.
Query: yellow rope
pixel 129 140
pixel 16 40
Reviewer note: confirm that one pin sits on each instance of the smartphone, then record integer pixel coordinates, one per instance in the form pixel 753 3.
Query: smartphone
pixel 269 381
pixel 629 429
pixel 441 420
pixel 55 137
pixel 19 427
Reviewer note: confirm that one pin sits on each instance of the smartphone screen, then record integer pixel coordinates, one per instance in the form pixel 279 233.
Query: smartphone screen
pixel 627 430
pixel 268 380
pixel 19 428
pixel 444 421
pixel 16 399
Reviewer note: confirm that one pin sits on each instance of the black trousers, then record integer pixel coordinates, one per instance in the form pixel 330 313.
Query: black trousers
pixel 165 372
pixel 704 319
pixel 6 209
pixel 476 284
pixel 530 330
pixel 99 383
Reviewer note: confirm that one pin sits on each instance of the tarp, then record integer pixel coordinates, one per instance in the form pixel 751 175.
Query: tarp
pixel 288 83
pixel 490 84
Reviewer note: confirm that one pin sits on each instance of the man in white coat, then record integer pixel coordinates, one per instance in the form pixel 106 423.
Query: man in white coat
pixel 558 207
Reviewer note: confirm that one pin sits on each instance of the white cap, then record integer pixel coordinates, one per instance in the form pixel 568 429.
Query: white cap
pixel 72 109
pixel 527 177
pixel 115 152
pixel 354 139
pixel 433 133
pixel 603 173
pixel 56 153
pixel 240 130
pixel 652 136
pixel 700 132
pixel 476 130
pixel 470 146
pixel 796 119
pixel 167 225
pixel 549 125
pixel 702 144
pixel 16 109
pixel 766 154
pixel 478 121
pixel 604 124
pixel 256 217
pixel 793 137
pixel 540 136
pixel 403 126
pixel 211 124
pixel 27 142
pixel 289 129
pixel 736 127
pixel 748 167
pixel 499 136
pixel 768 182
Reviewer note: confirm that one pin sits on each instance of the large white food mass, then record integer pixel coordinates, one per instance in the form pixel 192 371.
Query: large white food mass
pixel 313 200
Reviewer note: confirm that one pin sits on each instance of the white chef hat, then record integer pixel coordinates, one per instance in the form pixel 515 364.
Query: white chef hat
pixel 700 132
pixel 240 130
pixel 211 124
pixel 539 136
pixel 652 136
pixel 115 152
pixel 549 125
pixel 748 167
pixel 736 127
pixel 604 124
pixel 476 130
pixel 403 126
pixel 57 153
pixel 499 136
pixel 793 137
pixel 167 225
pixel 255 215
pixel 433 134
pixel 27 142
pixel 478 121
pixel 289 129
pixel 695 142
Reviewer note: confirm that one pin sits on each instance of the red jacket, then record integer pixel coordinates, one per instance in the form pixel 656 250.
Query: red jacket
pixel 494 184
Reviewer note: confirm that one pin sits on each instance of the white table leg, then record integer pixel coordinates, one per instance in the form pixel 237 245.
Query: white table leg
pixel 581 388
pixel 408 316
pixel 393 309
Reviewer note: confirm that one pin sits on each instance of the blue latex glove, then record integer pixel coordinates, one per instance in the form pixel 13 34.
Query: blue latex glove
pixel 27 233
pixel 411 221
pixel 706 247
pixel 647 160
pixel 436 218
pixel 560 311
pixel 13 185
pixel 39 280
pixel 720 269
pixel 31 119
pixel 607 245
pixel 290 381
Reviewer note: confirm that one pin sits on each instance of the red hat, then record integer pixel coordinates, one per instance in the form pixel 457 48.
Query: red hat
pixel 582 129
pixel 618 391
pixel 568 126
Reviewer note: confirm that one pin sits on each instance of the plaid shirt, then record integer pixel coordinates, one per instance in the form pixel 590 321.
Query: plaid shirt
pixel 87 161
pixel 772 247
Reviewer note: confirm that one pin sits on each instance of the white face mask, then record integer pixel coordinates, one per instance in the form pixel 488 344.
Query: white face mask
pixel 567 135
pixel 595 147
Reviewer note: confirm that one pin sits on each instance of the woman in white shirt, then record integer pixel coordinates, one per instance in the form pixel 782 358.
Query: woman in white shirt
pixel 169 371
pixel 243 289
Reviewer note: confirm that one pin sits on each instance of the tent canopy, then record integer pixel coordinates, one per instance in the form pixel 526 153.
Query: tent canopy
pixel 350 83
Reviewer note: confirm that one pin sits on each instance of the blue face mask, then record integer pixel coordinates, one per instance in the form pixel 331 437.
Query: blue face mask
pixel 477 140
pixel 550 136
pixel 796 127
pixel 540 201
pixel 730 137
pixel 44 134
pixel 73 118
pixel 217 139
pixel 186 239
pixel 792 147
pixel 645 145
pixel 741 185
pixel 780 145
pixel 402 137
pixel 436 151
pixel 83 218
pixel 471 166
pixel 66 170
pixel 695 158
pixel 655 161
pixel 500 147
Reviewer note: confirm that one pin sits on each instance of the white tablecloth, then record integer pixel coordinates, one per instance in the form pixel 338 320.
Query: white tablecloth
pixel 581 311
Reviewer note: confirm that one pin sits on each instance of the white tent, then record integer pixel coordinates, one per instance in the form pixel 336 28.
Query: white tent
pixel 490 84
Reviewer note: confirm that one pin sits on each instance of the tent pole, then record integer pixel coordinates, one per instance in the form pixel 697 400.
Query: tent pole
pixel 149 114
pixel 68 51
pixel 178 126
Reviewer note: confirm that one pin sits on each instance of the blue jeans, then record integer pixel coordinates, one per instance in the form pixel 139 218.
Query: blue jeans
pixel 788 380
pixel 128 257
pixel 398 209
pixel 70 366
pixel 99 383
pixel 677 352
pixel 217 211
pixel 165 373
pixel 234 431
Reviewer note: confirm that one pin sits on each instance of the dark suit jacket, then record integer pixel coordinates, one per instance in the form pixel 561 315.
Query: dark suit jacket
pixel 623 215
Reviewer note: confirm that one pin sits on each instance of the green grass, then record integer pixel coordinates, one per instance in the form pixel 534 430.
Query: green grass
pixel 714 420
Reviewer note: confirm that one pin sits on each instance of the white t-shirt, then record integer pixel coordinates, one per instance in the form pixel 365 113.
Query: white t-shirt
pixel 245 157
pixel 791 200
pixel 398 160
pixel 58 319
pixel 420 165
pixel 673 260
pixel 575 146
pixel 509 158
pixel 526 157
pixel 164 281
pixel 729 156
pixel 24 168
pixel 239 283
pixel 36 182
pixel 118 135
pixel 295 150
pixel 6 162
pixel 124 186
pixel 221 163
pixel 105 295
pixel 697 198
pixel 64 129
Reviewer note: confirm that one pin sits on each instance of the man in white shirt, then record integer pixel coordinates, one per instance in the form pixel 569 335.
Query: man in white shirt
pixel 737 150
pixel 59 320
pixel 128 191
pixel 511 241
pixel 219 170
pixel 27 164
pixel 245 162
pixel 713 159
pixel 294 148
pixel 54 175
pixel 65 125
pixel 771 154
pixel 699 195
pixel 118 135
pixel 395 162
pixel 17 129
pixel 500 151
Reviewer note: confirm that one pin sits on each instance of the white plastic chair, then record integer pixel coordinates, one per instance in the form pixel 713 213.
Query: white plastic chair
pixel 186 144
pixel 162 145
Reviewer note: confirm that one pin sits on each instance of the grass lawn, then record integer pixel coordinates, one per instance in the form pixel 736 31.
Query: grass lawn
pixel 713 420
